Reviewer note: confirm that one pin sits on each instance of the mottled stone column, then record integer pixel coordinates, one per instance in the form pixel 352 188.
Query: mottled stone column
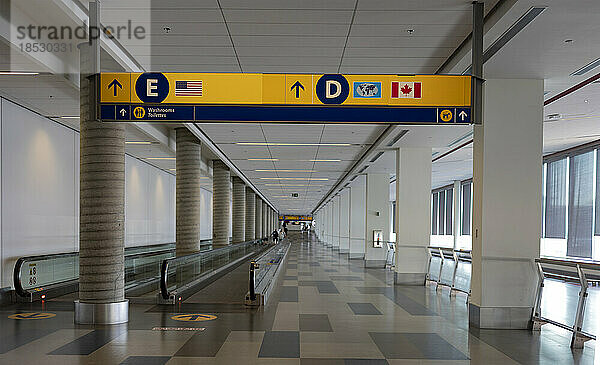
pixel 259 218
pixel 187 193
pixel 101 212
pixel 239 210
pixel 221 201
pixel 250 214
pixel 265 220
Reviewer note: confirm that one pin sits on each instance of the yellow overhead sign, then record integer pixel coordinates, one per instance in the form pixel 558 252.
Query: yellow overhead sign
pixel 285 89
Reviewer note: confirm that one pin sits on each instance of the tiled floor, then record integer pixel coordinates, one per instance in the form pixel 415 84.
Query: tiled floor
pixel 327 310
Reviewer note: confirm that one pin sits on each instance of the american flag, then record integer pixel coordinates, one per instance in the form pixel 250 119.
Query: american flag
pixel 188 88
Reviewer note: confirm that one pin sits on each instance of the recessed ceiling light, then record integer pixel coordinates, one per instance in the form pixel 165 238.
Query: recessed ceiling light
pixel 291 144
pixel 263 159
pixel 69 117
pixel 160 158
pixel 323 160
pixel 138 142
pixel 19 73
pixel 295 178
pixel 285 170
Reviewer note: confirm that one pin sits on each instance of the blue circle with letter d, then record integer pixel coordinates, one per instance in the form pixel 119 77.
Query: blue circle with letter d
pixel 152 87
pixel 332 89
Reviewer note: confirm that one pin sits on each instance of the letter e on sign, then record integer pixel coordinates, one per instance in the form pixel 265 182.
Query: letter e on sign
pixel 152 87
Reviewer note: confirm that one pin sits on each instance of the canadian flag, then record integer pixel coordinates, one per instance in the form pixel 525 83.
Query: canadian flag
pixel 411 90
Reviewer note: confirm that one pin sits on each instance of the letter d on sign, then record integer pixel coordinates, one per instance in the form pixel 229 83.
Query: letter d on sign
pixel 332 89
pixel 151 87
pixel 328 89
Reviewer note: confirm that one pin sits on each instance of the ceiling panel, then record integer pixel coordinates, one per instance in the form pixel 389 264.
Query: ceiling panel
pixel 295 4
pixel 294 29
pixel 408 17
pixel 288 16
pixel 377 52
pixel 289 51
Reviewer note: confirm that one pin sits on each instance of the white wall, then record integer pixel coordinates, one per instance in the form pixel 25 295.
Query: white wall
pixel 40 192
pixel 149 204
pixel 40 187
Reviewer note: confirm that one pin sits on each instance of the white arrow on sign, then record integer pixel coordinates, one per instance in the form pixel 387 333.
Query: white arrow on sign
pixel 462 115
pixel 123 112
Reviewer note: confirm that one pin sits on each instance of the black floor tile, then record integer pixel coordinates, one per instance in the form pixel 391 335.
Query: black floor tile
pixel 280 344
pixel 288 294
pixel 10 340
pixel 365 362
pixel 314 323
pixel 307 361
pixel 146 360
pixel 346 278
pixel 364 309
pixel 415 346
pixel 394 294
pixel 90 342
pixel 204 344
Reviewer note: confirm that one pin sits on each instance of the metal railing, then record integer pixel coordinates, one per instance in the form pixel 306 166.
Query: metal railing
pixel 571 270
pixel 263 274
pixel 181 273
pixel 40 273
pixel 443 268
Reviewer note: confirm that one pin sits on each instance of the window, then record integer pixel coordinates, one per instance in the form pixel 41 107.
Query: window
pixel 581 205
pixel 394 217
pixel 434 215
pixel 442 211
pixel 597 221
pixel 466 208
pixel 449 207
pixel 555 214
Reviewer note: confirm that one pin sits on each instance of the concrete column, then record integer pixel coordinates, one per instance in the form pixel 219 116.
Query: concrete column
pixel 456 213
pixel 507 175
pixel 335 226
pixel 101 212
pixel 331 223
pixel 239 210
pixel 187 193
pixel 259 217
pixel 377 218
pixel 358 197
pixel 221 203
pixel 345 221
pixel 327 224
pixel 413 214
pixel 269 220
pixel 250 214
pixel 265 220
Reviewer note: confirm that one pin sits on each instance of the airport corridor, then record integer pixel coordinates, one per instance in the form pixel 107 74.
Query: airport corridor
pixel 326 309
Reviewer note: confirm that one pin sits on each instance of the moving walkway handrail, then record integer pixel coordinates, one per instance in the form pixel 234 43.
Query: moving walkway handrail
pixel 17 279
pixel 579 337
pixel 164 268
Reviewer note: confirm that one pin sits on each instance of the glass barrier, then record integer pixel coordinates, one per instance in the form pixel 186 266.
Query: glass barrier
pixel 180 272
pixel 36 273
